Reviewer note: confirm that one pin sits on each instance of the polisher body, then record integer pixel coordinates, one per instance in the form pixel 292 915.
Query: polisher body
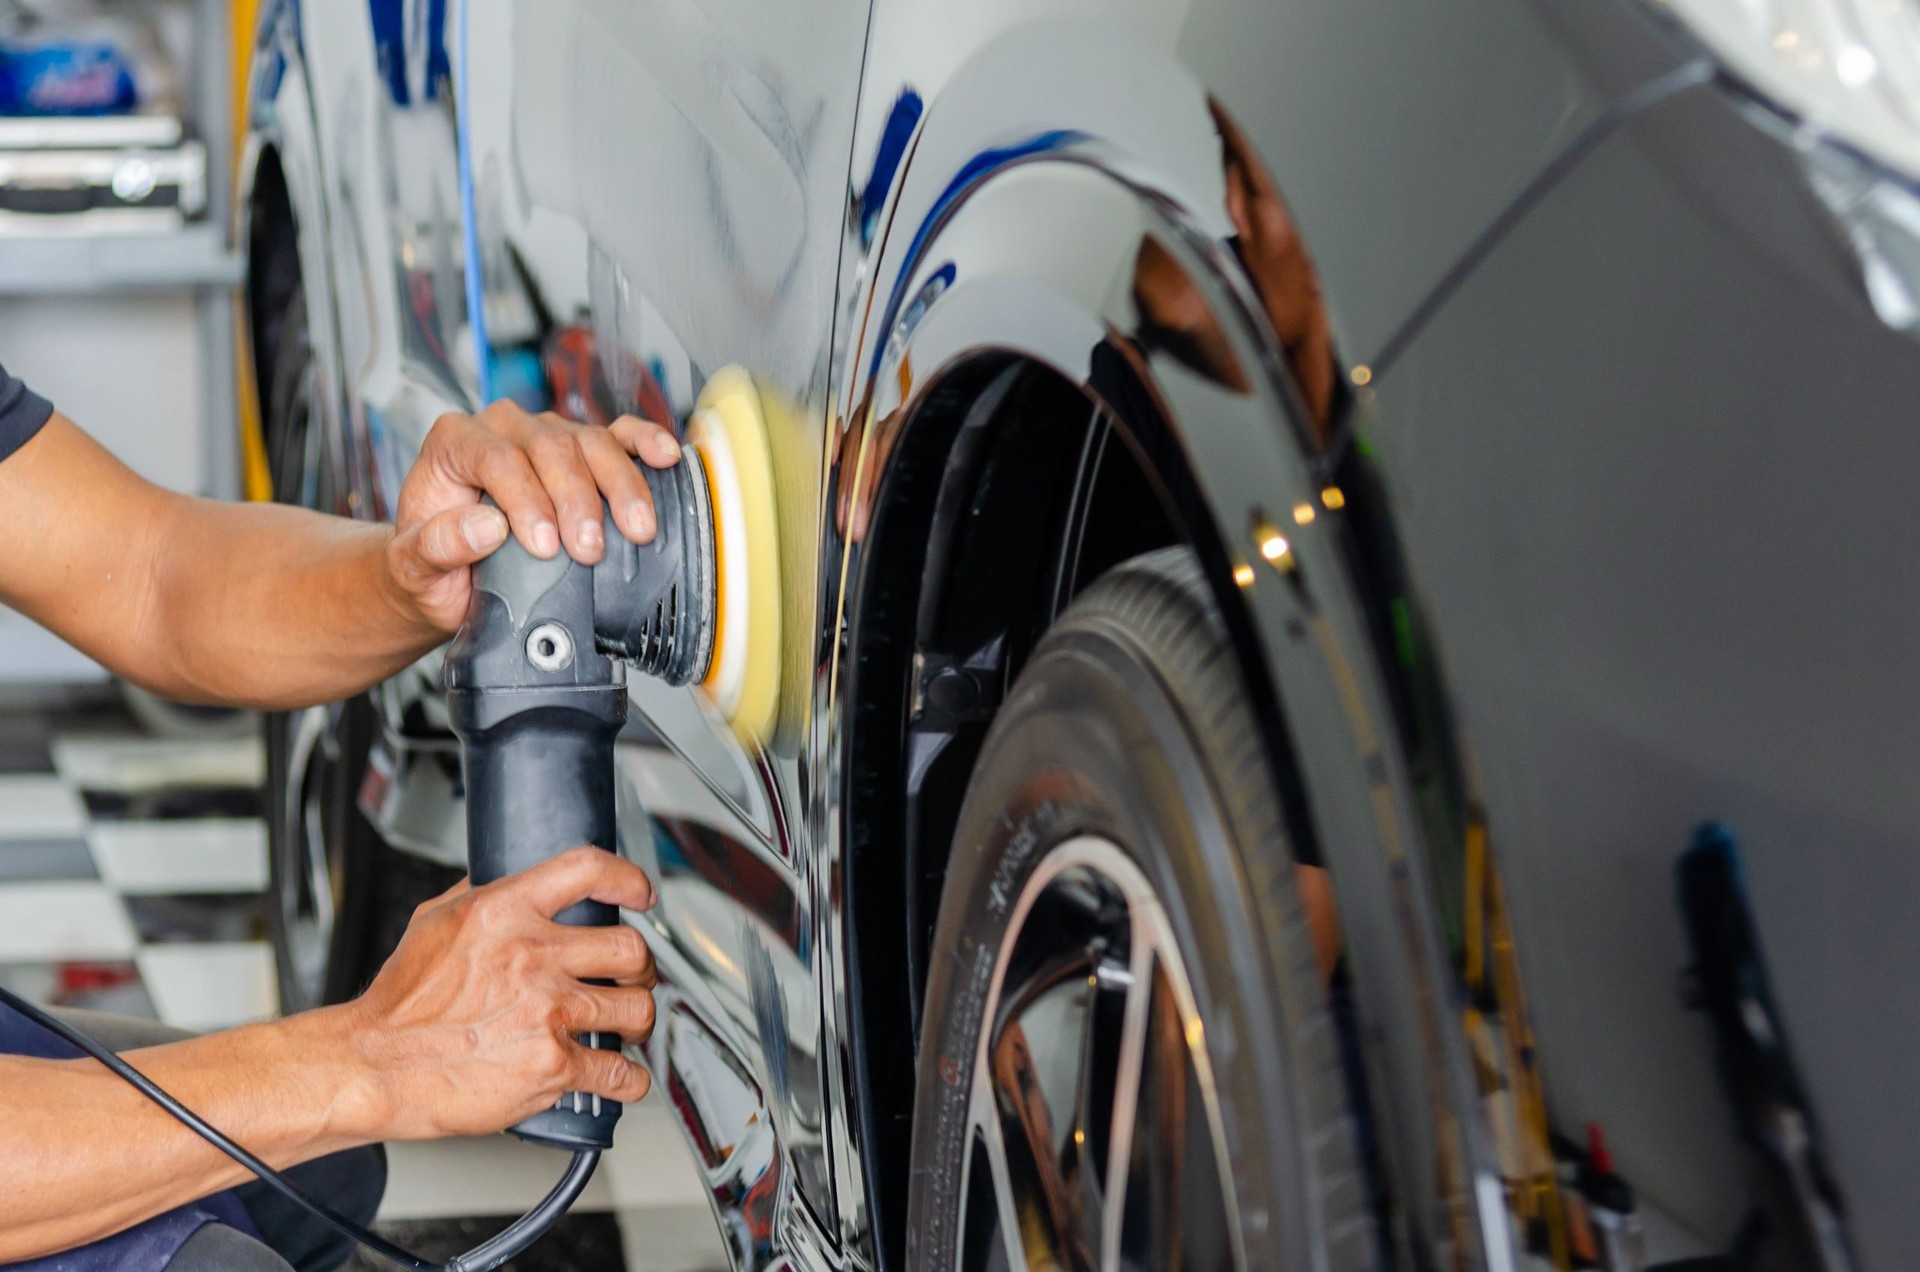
pixel 536 692
pixel 536 677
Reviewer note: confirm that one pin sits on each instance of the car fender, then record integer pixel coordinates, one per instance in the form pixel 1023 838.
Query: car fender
pixel 1016 225
pixel 281 131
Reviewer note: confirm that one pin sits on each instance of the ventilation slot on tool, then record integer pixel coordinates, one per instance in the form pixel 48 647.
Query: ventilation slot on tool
pixel 654 603
pixel 658 638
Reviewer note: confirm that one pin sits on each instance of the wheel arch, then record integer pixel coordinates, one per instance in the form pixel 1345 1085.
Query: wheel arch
pixel 280 187
pixel 919 568
pixel 1003 261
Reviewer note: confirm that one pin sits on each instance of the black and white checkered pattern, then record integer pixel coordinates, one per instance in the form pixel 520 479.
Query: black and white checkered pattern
pixel 133 871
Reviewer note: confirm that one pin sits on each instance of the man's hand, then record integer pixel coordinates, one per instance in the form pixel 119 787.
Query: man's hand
pixel 467 1030
pixel 549 476
pixel 471 1025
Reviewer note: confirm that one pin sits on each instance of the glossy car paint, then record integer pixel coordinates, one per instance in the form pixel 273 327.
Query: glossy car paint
pixel 1550 361
pixel 715 240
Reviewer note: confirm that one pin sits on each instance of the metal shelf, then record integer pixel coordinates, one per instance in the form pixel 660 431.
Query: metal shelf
pixel 194 256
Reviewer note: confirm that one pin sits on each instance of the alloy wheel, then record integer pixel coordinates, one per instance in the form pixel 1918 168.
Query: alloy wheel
pixel 1094 1123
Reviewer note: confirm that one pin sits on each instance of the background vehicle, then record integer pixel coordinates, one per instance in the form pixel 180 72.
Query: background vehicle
pixel 1425 480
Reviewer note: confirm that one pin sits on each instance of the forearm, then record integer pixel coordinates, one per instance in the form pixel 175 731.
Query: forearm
pixel 87 1155
pixel 268 606
pixel 252 604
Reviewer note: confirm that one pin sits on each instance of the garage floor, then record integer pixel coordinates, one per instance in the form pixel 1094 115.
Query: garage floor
pixel 131 880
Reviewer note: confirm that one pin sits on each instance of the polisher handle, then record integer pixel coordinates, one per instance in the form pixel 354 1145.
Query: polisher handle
pixel 540 781
pixel 536 708
pixel 536 698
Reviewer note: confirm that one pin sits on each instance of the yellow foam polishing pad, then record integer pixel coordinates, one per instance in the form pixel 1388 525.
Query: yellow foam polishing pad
pixel 729 432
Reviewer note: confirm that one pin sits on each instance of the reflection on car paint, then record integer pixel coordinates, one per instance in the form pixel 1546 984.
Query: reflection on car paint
pixel 410 46
pixel 902 118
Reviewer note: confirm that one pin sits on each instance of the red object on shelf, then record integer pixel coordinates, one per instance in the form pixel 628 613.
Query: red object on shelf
pixel 1597 1149
pixel 580 385
pixel 88 978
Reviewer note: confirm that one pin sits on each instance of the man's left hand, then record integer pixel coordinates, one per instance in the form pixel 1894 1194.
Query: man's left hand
pixel 549 477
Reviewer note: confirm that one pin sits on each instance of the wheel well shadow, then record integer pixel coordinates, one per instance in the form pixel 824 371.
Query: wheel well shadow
pixel 273 264
pixel 1009 492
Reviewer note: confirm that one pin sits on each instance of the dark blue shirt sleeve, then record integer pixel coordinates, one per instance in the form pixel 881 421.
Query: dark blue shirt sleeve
pixel 22 413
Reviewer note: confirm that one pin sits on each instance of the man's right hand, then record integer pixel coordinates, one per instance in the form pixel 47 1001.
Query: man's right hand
pixel 471 1025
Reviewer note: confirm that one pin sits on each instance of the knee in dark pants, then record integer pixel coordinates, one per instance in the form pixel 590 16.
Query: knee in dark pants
pixel 350 1184
pixel 218 1248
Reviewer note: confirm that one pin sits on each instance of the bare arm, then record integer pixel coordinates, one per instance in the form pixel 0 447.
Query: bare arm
pixel 87 1155
pixel 269 606
pixel 198 600
pixel 469 1028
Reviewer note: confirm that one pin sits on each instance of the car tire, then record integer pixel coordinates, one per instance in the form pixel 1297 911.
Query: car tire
pixel 339 894
pixel 322 857
pixel 1120 916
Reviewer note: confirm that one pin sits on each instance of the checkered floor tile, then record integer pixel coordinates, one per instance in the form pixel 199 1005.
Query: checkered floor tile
pixel 132 871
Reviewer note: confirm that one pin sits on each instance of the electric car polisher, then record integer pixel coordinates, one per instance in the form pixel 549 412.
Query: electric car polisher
pixel 536 678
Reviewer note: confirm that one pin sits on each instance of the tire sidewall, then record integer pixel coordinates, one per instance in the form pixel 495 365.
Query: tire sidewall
pixel 351 844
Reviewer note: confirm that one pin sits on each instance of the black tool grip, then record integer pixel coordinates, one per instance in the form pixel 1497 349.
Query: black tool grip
pixel 540 781
pixel 537 707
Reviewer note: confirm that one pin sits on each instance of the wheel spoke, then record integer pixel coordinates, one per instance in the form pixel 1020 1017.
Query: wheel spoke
pixel 306 734
pixel 335 716
pixel 1044 1166
pixel 319 866
pixel 1101 1045
pixel 988 1140
pixel 1176 1208
pixel 1124 1117
pixel 305 885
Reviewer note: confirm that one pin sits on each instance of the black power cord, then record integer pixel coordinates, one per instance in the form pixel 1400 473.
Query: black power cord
pixel 484 1257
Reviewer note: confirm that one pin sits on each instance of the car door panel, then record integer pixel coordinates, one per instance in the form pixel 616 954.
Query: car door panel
pixel 1652 471
pixel 662 186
